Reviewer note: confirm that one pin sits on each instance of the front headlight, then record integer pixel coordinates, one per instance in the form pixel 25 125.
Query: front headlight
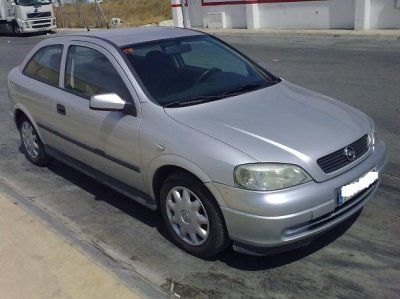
pixel 269 176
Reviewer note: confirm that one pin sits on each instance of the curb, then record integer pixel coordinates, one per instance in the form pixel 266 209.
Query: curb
pixel 127 276
pixel 388 33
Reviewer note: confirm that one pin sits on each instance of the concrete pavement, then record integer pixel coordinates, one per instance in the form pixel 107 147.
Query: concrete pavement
pixel 38 263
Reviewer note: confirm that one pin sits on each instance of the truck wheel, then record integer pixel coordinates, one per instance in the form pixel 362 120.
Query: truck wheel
pixel 31 143
pixel 16 29
pixel 192 217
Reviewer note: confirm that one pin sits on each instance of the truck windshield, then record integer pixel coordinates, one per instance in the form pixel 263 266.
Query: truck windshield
pixel 193 70
pixel 33 2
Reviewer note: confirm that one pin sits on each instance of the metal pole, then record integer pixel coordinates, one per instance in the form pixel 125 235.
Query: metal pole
pixel 185 25
pixel 61 13
pixel 78 12
pixel 97 13
pixel 102 12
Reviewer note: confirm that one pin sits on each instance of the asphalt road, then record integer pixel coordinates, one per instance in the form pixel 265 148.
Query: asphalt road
pixel 360 258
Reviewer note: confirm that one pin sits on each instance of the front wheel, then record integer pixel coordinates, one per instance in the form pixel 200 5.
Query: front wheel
pixel 16 29
pixel 192 217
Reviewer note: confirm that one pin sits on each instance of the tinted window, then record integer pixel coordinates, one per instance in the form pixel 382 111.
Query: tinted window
pixel 204 54
pixel 185 69
pixel 45 65
pixel 88 73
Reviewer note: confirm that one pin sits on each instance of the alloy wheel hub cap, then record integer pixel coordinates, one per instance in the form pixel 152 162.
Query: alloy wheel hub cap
pixel 30 140
pixel 187 216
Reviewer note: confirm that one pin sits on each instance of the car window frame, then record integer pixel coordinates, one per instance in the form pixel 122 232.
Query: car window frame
pixel 102 51
pixel 33 55
pixel 113 61
pixel 260 69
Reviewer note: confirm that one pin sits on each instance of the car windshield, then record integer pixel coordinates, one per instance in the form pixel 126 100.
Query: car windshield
pixel 192 70
pixel 33 2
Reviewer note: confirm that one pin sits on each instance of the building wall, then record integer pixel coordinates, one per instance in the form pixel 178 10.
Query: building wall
pixel 308 15
pixel 384 15
pixel 296 14
pixel 235 15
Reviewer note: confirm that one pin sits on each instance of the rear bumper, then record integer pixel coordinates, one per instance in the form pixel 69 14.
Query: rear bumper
pixel 262 224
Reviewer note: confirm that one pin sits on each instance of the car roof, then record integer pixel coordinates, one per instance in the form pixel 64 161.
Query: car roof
pixel 128 36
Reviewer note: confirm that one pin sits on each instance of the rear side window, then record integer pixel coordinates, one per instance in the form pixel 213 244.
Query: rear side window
pixel 89 72
pixel 44 66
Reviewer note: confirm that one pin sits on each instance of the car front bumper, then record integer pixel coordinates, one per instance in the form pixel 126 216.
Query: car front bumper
pixel 264 220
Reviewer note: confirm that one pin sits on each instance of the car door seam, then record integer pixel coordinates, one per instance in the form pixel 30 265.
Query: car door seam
pixel 93 150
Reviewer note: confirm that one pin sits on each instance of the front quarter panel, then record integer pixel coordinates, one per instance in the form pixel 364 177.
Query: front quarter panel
pixel 206 157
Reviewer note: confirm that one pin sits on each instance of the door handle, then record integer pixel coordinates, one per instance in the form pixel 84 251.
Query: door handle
pixel 61 109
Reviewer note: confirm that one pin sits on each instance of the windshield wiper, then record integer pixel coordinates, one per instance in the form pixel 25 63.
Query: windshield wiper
pixel 230 92
pixel 243 88
pixel 193 101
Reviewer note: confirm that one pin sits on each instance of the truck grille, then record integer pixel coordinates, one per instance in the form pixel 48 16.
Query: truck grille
pixel 38 14
pixel 41 21
pixel 41 25
pixel 338 159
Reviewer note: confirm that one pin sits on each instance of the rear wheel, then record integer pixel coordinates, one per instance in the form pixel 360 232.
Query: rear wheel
pixel 31 143
pixel 192 217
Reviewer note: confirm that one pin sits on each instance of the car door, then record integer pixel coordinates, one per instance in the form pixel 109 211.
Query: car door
pixel 107 141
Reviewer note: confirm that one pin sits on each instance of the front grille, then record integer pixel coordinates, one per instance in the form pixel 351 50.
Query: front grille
pixel 41 25
pixel 338 159
pixel 42 21
pixel 33 15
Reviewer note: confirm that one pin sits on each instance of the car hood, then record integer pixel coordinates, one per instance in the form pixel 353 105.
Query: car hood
pixel 282 123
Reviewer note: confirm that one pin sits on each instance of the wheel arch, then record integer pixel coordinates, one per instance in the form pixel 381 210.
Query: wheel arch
pixel 19 112
pixel 163 166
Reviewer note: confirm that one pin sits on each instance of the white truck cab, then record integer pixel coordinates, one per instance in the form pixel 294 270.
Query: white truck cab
pixel 26 16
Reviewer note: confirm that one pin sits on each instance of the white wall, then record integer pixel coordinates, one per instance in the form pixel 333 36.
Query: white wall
pixel 384 15
pixel 328 14
pixel 235 15
pixel 308 15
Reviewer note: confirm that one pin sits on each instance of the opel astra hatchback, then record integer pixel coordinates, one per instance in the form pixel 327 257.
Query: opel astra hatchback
pixel 182 122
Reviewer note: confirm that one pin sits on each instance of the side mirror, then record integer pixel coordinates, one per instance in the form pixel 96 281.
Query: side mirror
pixel 107 102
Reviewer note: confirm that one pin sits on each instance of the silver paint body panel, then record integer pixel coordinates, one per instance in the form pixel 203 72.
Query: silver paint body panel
pixel 283 123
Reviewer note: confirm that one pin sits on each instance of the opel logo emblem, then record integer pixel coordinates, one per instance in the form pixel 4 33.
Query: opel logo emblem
pixel 350 153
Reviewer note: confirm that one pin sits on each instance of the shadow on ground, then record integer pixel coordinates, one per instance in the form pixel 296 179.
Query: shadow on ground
pixel 153 219
pixel 32 34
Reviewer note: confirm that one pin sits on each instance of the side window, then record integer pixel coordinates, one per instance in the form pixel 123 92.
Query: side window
pixel 202 54
pixel 88 72
pixel 44 66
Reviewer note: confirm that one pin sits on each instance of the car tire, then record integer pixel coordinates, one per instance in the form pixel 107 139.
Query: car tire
pixel 196 211
pixel 31 144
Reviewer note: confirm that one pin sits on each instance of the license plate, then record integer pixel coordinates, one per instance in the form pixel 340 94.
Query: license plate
pixel 347 192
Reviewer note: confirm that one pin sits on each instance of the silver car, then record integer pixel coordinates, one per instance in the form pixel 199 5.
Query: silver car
pixel 182 122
